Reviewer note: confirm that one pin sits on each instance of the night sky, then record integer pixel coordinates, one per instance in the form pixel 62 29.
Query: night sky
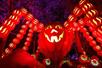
pixel 44 10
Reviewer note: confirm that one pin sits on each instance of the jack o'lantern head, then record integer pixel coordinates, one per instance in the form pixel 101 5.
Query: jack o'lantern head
pixel 55 40
pixel 54 33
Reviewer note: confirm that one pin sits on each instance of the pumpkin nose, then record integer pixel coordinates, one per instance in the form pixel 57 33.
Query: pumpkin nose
pixel 53 30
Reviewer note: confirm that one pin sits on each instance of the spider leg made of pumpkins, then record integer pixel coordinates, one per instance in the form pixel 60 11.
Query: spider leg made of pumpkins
pixel 31 24
pixel 90 26
pixel 79 11
pixel 92 29
pixel 84 18
pixel 72 22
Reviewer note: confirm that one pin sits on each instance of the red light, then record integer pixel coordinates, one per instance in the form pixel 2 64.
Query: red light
pixel 24 11
pixel 12 45
pixel 30 34
pixel 16 40
pixel 28 39
pixel 27 43
pixel 22 31
pixel 19 36
pixel 35 21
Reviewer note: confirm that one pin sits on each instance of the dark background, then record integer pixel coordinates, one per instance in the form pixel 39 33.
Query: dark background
pixel 44 10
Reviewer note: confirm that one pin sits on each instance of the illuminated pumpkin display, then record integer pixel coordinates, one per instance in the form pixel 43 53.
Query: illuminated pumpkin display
pixel 55 41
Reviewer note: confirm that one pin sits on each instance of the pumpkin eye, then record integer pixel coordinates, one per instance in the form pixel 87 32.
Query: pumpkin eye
pixel 58 26
pixel 49 27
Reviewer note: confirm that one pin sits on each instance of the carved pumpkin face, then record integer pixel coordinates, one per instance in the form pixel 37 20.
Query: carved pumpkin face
pixel 54 33
pixel 55 42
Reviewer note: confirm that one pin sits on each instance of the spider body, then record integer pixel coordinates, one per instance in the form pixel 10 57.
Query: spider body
pixel 57 41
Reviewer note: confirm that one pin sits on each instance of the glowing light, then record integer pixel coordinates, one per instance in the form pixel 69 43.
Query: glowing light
pixel 18 12
pixel 10 17
pixel 41 25
pixel 82 2
pixel 28 39
pixel 92 43
pixel 27 43
pixel 5 22
pixel 90 13
pixel 22 31
pixel 12 45
pixel 24 26
pixel 76 11
pixel 16 40
pixel 90 38
pixel 30 34
pixel 35 21
pixel 29 17
pixel 53 30
pixel 71 18
pixel 35 28
pixel 99 30
pixel 66 24
pixel 58 26
pixel 99 39
pixel 13 17
pixel 54 38
pixel 75 24
pixel 24 11
pixel 48 62
pixel 94 11
pixel 9 22
pixel 95 22
pixel 94 62
pixel 81 22
pixel 31 25
pixel 27 22
pixel 15 11
pixel 19 36
pixel 16 18
pixel 12 25
pixel 98 47
pixel 48 27
pixel 83 58
pixel 3 55
pixel 83 9
pixel 89 5
pixel 4 30
pixel 25 48
pixel 98 19
pixel 31 30
pixel 86 7
pixel 7 51
pixel 1 28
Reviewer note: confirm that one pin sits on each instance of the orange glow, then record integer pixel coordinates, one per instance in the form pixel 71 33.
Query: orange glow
pixel 19 36
pixel 12 45
pixel 35 21
pixel 16 40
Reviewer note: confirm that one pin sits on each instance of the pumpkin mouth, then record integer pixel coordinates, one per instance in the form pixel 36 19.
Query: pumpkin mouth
pixel 55 38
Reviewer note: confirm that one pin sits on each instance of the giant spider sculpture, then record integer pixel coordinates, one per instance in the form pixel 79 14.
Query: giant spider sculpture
pixel 55 40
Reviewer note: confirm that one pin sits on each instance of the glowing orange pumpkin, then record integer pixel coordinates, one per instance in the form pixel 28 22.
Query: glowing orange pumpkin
pixel 55 42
